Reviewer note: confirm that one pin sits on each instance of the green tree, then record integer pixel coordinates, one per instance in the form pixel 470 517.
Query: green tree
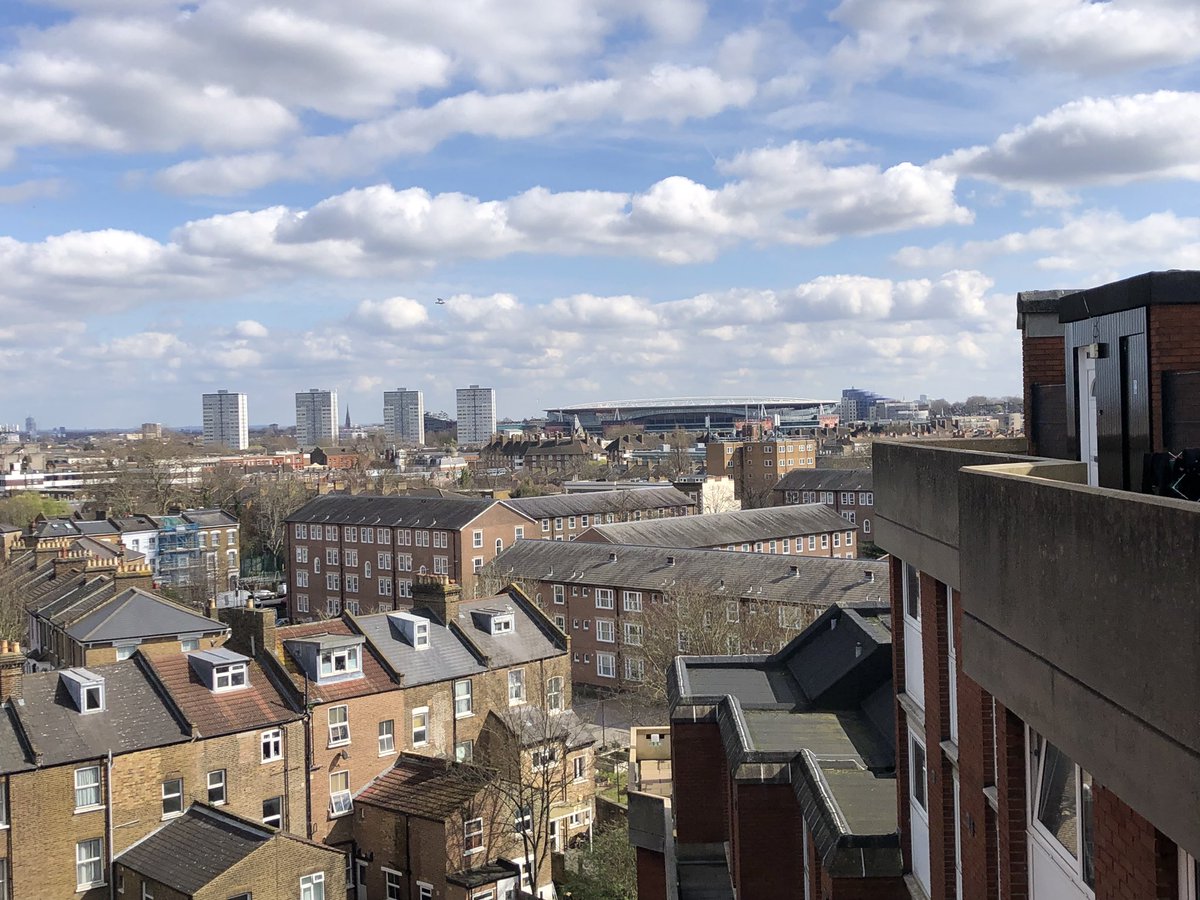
pixel 605 871
pixel 22 509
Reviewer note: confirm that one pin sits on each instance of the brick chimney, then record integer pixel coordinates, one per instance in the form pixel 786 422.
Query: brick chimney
pixel 12 670
pixel 134 574
pixel 438 594
pixel 252 629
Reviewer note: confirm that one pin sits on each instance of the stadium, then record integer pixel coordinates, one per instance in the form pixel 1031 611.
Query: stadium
pixel 714 414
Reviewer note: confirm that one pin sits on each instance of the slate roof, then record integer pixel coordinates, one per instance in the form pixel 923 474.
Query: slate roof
pixel 447 656
pixel 396 512
pixel 136 522
pixel 66 599
pixel 592 502
pixel 720 529
pixel 424 787
pixel 209 518
pixel 188 852
pixel 257 705
pixel 376 678
pixel 134 717
pixel 534 726
pixel 532 638
pixel 826 480
pixel 758 575
pixel 135 613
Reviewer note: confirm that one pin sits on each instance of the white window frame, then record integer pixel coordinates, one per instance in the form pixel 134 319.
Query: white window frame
pixel 173 795
pixel 350 658
pixel 632 601
pixel 464 701
pixel 97 786
pixel 477 539
pixel 604 598
pixel 93 860
pixel 516 687
pixel 606 665
pixel 340 801
pixel 338 718
pixel 270 745
pixel 420 726
pixel 472 829
pixel 1070 860
pixel 231 677
pixel 606 631
pixel 387 737
pixel 560 593
pixel 219 785
pixel 312 887
pixel 633 634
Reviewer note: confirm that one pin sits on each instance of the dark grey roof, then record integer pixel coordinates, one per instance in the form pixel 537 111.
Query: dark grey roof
pixel 406 512
pixel 1041 301
pixel 719 529
pixel 135 613
pixel 531 638
pixel 826 480
pixel 190 851
pixel 446 657
pixel 74 597
pixel 592 502
pixel 759 575
pixel 134 716
pixel 136 522
pixel 534 726
pixel 1149 289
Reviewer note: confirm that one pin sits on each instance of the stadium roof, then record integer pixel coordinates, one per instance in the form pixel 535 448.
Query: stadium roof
pixel 676 402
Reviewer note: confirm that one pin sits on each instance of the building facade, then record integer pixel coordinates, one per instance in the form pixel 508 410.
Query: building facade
pixel 225 421
pixel 404 416
pixel 755 466
pixel 848 492
pixel 563 517
pixel 1047 739
pixel 476 415
pixel 316 418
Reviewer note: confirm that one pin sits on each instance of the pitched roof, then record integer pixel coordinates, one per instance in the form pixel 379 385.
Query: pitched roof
pixel 135 613
pixel 826 480
pixel 209 518
pixel 719 529
pixel 425 787
pixel 188 852
pixel 376 679
pixel 532 638
pixel 764 576
pixel 592 502
pixel 257 705
pixel 403 512
pixel 134 717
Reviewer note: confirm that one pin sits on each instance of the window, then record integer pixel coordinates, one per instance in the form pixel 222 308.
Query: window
pixel 272 745
pixel 477 538
pixel 385 587
pixel 911 588
pixel 339 661
pixel 545 757
pixel 87 788
pixel 1062 806
pixel 866 526
pixel 523 820
pixel 472 836
pixel 368 535
pixel 301 531
pixel 560 594
pixel 172 797
pixel 849 537
pixel 421 634
pixel 476 564
pixel 420 726
pixel 605 631
pixel 633 601
pixel 93 698
pixel 545 525
pixel 558 523
pixel 302 603
pixel 812 542
pixel 837 539
pixel 404 537
pixel 216 787
pixel 579 767
pixel 683 642
pixel 393 883
pixel 606 665
pixel 351 535
pixel 499 546
pixel 916 772
pixel 387 737
pixel 635 668
pixel 464 751
pixel 604 598
pixel 554 693
pixel 383 535
pixel 339 726
pixel 850 516
pixel 331 556
pixel 732 611
pixel 230 677
pixel 462 699
pixel 633 634
pixel 440 539
pixel 518 532
pixel 317 565
pixel 187 645
pixel 385 561
pixel 516 686
pixel 273 812
pixel 333 581
pixel 340 802
pixel 89 870
pixel 441 565
pixel 301 578
pixel 312 887
pixel 3 815
pixel 352 557
pixel 404 562
pixel 425 891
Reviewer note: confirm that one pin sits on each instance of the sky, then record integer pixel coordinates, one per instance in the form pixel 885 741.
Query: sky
pixel 616 199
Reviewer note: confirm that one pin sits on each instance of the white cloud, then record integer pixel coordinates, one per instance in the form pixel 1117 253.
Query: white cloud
pixel 393 314
pixel 24 191
pixel 249 328
pixel 1093 141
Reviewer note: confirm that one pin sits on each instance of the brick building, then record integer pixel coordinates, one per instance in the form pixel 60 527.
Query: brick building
pixel 360 554
pixel 1047 737
pixel 783 772
pixel 848 492
pixel 757 465
pixel 606 596
pixel 806 530
pixel 563 517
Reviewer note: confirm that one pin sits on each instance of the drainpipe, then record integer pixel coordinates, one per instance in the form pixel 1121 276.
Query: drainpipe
pixel 108 825
pixel 308 760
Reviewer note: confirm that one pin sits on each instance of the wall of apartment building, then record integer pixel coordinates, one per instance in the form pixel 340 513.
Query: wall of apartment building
pixel 417 848
pixel 45 827
pixel 826 544
pixel 1043 376
pixel 767 839
pixel 701 784
pixel 857 507
pixel 273 870
pixel 567 528
pixel 458 557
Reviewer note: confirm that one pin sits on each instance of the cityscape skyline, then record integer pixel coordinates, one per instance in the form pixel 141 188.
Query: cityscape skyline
pixel 600 195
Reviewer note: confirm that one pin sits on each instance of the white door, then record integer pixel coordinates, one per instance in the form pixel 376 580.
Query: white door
pixel 360 889
pixel 918 794
pixel 1089 445
pixel 914 666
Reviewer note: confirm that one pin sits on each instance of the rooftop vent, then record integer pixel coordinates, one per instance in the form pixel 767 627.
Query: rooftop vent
pixel 794 571
pixel 857 649
pixel 670 560
pixel 612 557
pixel 870 576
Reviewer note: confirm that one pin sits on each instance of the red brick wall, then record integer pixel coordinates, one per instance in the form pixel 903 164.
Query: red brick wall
pixel 975 773
pixel 937 729
pixel 896 574
pixel 701 783
pixel 1043 362
pixel 1174 341
pixel 768 842
pixel 1133 859
pixel 651 875
pixel 1014 848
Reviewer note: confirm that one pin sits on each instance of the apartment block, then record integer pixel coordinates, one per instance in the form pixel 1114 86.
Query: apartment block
pixel 404 416
pixel 629 610
pixel 848 492
pixel 783 772
pixel 757 465
pixel 1047 739
pixel 360 554
pixel 316 418
pixel 805 530
pixel 476 415
pixel 225 421
pixel 564 517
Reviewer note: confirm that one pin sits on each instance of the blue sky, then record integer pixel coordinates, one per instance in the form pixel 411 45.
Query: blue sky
pixel 617 199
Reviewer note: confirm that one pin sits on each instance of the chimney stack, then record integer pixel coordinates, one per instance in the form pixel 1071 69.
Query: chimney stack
pixel 438 594
pixel 12 670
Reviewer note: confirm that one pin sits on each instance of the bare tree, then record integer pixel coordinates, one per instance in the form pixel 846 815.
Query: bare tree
pixel 272 499
pixel 219 488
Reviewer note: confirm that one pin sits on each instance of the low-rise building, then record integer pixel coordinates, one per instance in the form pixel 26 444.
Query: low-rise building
pixel 563 517
pixel 806 530
pixel 848 492
pixel 757 465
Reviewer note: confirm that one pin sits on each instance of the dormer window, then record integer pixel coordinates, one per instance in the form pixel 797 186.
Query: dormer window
pixel 340 661
pixel 86 690
pixel 421 635
pixel 220 670
pixel 230 677
pixel 494 621
pixel 502 624
pixel 414 629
